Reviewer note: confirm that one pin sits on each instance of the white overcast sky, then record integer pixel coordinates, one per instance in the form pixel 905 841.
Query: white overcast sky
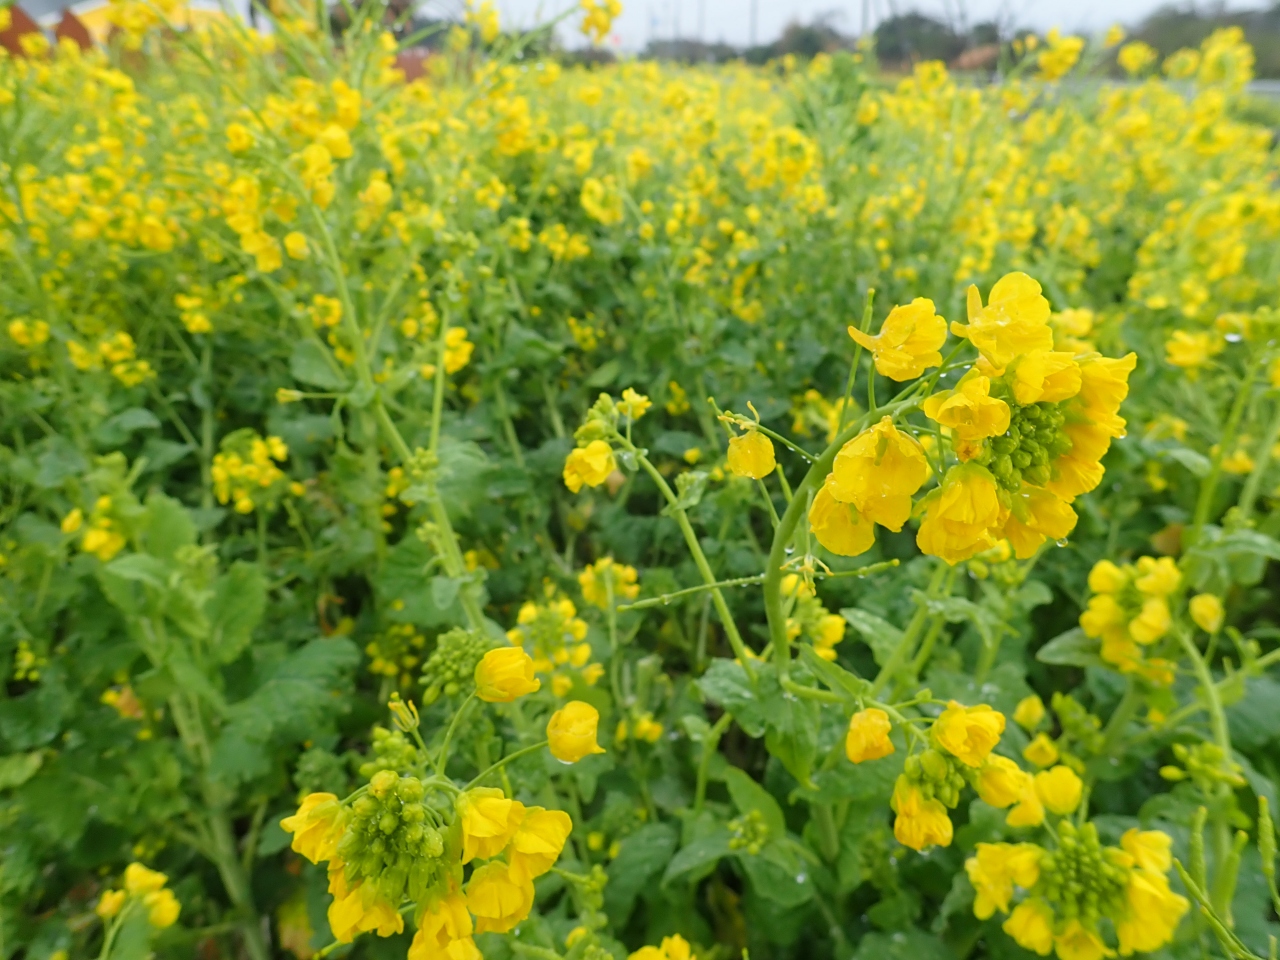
pixel 730 20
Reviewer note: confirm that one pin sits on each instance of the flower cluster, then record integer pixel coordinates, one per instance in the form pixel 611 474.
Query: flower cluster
pixel 142 889
pixel 102 537
pixel 1069 887
pixel 451 668
pixel 555 636
pixel 395 652
pixel 607 581
pixel 244 471
pixel 1129 611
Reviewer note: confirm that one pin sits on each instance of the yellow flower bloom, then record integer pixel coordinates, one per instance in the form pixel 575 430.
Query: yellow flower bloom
pixel 962 516
pixel 919 822
pixel 295 245
pixel 139 879
pixel 1044 376
pixel 634 405
pixel 968 733
pixel 1092 422
pixel 162 908
pixel 504 674
pixel 868 736
pixel 751 455
pixel 1001 782
pixel 1041 751
pixel 1029 712
pixel 1135 57
pixel 444 930
pixel 838 526
pixel 536 846
pixel 908 341
pixel 1014 321
pixel 1031 926
pixel 589 465
pixel 1157 577
pixel 1075 941
pixel 878 471
pixel 1152 913
pixel 1206 610
pixel 1029 811
pixel 1106 577
pixel 1035 515
pixel 1153 622
pixel 489 820
pixel 316 827
pixel 358 910
pixel 109 904
pixel 572 732
pixel 1151 849
pixel 994 871
pixel 1191 350
pixel 969 411
pixel 1059 789
pixel 498 901
pixel 72 521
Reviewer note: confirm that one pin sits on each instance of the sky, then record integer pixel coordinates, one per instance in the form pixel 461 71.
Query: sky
pixel 730 20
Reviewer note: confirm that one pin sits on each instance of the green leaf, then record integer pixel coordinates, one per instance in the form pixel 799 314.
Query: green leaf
pixel 312 364
pixel 604 374
pixel 18 768
pixel 698 855
pixel 1197 463
pixel 725 684
pixel 779 875
pixel 962 610
pixel 690 486
pixel 407 577
pixel 60 460
pixel 748 795
pixel 881 635
pixel 1071 649
pixel 908 944
pixel 114 431
pixel 833 675
pixel 167 526
pixel 640 857
pixel 235 609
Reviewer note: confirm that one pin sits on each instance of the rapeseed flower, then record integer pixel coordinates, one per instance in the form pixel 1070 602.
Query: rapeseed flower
pixel 868 736
pixel 908 341
pixel 879 471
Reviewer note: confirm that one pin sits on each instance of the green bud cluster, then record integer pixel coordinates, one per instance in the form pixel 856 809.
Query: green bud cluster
pixel 451 668
pixel 1079 727
pixel 394 840
pixel 748 832
pixel 1035 439
pixel 938 775
pixel 600 422
pixel 320 769
pixel 1205 764
pixel 391 751
pixel 1081 877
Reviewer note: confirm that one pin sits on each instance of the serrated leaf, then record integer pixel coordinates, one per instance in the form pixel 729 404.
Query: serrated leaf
pixel 725 684
pixel 640 857
pixel 697 855
pixel 312 364
pixel 235 609
pixel 1071 649
pixel 881 635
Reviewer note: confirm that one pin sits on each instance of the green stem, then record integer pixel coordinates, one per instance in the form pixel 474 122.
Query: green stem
pixel 236 881
pixel 908 641
pixel 1260 463
pixel 666 598
pixel 709 745
pixel 1125 711
pixel 523 752
pixel 1204 502
pixel 448 734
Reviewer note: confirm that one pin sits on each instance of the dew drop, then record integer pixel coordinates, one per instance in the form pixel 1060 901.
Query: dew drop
pixel 1233 338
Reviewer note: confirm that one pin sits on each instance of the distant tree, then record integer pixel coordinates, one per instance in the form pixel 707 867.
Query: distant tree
pixel 1174 26
pixel 912 37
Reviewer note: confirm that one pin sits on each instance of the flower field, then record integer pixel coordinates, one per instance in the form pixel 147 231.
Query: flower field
pixel 535 510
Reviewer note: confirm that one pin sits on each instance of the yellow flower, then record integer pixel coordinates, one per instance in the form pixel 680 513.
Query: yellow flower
pixel 316 827
pixel 295 245
pixel 969 411
pixel 590 465
pixel 1206 610
pixel 1191 350
pixel 72 521
pixel 444 930
pixel 498 901
pixel 1135 57
pixel 838 526
pixel 1150 849
pixel 908 341
pixel 1031 926
pixel 1153 622
pixel 489 820
pixel 536 846
pixel 1059 789
pixel 572 732
pixel 878 471
pixel 1014 321
pixel 1034 515
pixel 868 736
pixel 457 349
pixel 1044 376
pixel 1152 913
pixel 1106 577
pixel 1029 811
pixel 358 910
pixel 162 908
pixel 1059 55
pixel 504 674
pixel 110 903
pixel 996 869
pixel 1157 577
pixel 1029 712
pixel 1041 751
pixel 962 515
pixel 968 733
pixel 139 879
pixel 919 822
pixel 634 405
pixel 751 455
pixel 1075 941
pixel 1001 782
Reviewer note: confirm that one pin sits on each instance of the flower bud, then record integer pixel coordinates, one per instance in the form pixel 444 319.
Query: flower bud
pixel 751 455
pixel 504 674
pixel 868 736
pixel 1206 610
pixel 571 732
